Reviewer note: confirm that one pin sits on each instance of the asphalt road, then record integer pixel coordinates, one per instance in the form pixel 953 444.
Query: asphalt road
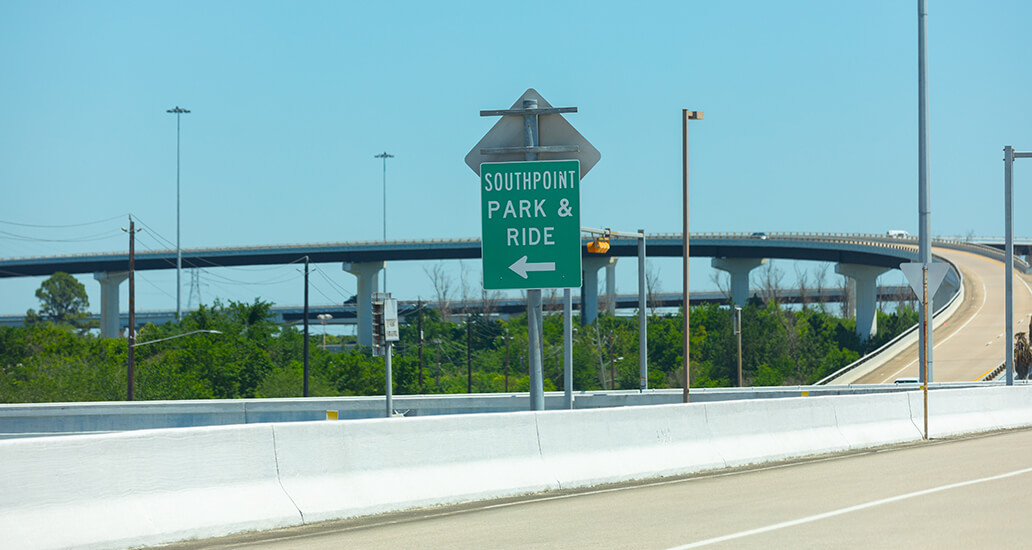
pixel 961 493
pixel 970 343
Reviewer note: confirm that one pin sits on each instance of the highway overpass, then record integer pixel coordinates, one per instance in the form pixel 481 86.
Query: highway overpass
pixel 346 313
pixel 860 257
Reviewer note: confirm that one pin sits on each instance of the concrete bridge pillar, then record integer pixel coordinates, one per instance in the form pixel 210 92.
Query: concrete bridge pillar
pixel 109 303
pixel 589 291
pixel 865 278
pixel 739 268
pixel 850 297
pixel 611 285
pixel 368 284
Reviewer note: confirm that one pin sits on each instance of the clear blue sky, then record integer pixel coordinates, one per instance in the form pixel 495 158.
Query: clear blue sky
pixel 810 123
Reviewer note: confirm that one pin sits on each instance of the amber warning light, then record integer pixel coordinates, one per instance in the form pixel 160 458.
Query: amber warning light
pixel 599 246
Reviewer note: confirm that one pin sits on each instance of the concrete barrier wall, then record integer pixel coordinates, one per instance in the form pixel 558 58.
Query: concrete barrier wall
pixel 348 469
pixel 883 419
pixel 152 486
pixel 589 447
pixel 32 420
pixel 145 487
pixel 959 412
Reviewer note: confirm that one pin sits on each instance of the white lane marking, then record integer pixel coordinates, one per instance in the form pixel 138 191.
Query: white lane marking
pixel 1022 279
pixel 848 510
pixel 952 334
pixel 534 500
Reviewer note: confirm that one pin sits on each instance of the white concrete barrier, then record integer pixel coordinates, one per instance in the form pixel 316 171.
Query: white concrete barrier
pixel 37 419
pixel 747 432
pixel 589 447
pixel 154 486
pixel 347 469
pixel 877 419
pixel 139 488
pixel 955 412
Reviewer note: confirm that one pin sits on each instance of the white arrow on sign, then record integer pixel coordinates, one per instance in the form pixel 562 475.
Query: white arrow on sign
pixel 522 266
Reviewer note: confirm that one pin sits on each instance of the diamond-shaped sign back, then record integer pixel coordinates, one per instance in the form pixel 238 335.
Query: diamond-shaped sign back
pixel 554 130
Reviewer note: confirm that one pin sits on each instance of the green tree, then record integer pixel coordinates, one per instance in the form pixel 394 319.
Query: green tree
pixel 63 300
pixel 253 357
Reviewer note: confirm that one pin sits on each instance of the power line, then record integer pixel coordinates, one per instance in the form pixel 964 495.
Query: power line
pixel 317 289
pixel 346 293
pixel 157 235
pixel 151 249
pixel 95 237
pixel 280 280
pixel 215 264
pixel 151 283
pixel 119 217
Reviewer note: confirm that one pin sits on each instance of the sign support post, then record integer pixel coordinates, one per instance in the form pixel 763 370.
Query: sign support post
pixel 736 321
pixel 925 278
pixel 391 335
pixel 568 347
pixel 531 212
pixel 1009 154
pixel 535 315
pixel 924 331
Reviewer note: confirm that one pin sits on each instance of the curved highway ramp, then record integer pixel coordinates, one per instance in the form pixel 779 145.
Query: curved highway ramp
pixel 969 343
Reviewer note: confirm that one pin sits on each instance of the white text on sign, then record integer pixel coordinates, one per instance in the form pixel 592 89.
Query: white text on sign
pixel 525 236
pixel 528 236
pixel 517 209
pixel 529 181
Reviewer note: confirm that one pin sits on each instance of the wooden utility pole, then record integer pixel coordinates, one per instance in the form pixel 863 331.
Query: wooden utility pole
pixel 469 358
pixel 419 306
pixel 304 390
pixel 132 310
pixel 507 358
pixel 612 364
pixel 437 378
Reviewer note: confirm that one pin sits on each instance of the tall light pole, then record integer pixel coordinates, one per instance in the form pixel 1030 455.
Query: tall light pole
pixel 1009 154
pixel 687 115
pixel 384 155
pixel 924 212
pixel 179 251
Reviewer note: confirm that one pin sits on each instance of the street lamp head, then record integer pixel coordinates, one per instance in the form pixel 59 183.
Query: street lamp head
pixel 384 155
pixel 177 110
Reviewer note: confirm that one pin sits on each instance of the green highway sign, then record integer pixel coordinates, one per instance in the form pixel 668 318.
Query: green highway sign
pixel 530 219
